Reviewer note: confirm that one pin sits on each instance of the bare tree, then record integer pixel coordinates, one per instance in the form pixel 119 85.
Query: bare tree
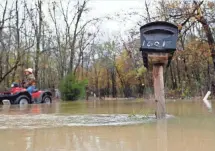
pixel 37 26
pixel 86 40
pixel 8 70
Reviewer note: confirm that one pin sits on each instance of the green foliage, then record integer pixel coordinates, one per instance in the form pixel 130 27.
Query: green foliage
pixel 72 89
pixel 141 71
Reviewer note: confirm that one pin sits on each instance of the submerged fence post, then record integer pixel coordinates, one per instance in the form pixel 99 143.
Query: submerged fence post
pixel 159 90
pixel 207 103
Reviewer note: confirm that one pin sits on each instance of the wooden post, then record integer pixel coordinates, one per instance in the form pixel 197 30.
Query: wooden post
pixel 158 44
pixel 159 90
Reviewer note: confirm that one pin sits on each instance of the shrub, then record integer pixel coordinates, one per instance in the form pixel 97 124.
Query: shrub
pixel 72 89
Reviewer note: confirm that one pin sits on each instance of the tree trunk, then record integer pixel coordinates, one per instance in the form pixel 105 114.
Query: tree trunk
pixel 7 69
pixel 178 71
pixel 1 64
pixel 108 84
pixel 140 88
pixel 121 80
pixel 82 66
pixel 174 84
pixel 2 23
pixel 97 86
pixel 113 78
pixel 127 90
pixel 72 45
pixel 38 38
pixel 186 71
pixel 209 36
pixel 208 74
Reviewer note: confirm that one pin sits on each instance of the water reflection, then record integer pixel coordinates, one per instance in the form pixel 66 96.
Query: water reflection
pixel 162 135
pixel 30 109
pixel 191 130
pixel 138 138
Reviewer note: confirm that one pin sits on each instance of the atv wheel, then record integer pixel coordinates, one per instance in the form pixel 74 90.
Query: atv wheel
pixel 22 100
pixel 47 99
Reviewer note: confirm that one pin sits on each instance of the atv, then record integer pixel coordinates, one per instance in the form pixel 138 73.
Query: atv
pixel 19 95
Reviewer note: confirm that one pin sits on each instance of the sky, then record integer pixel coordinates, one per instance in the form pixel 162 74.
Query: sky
pixel 111 7
pixel 101 8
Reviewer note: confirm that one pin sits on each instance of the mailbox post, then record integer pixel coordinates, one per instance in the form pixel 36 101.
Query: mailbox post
pixel 158 44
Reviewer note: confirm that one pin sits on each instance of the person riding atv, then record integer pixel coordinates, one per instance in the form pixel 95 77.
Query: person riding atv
pixel 29 82
pixel 25 92
pixel 19 95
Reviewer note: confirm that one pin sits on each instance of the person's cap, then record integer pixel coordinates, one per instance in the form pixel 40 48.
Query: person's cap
pixel 29 70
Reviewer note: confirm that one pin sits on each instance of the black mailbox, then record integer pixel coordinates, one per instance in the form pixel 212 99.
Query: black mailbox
pixel 158 37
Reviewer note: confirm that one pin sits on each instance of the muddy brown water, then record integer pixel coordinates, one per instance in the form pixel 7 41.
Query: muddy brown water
pixel 52 127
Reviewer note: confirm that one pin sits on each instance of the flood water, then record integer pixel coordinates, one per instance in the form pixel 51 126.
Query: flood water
pixel 106 126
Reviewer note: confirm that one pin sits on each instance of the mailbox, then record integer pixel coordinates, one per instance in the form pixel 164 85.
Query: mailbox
pixel 158 42
pixel 158 37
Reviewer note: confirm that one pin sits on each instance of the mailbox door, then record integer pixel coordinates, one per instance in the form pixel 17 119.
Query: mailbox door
pixel 158 37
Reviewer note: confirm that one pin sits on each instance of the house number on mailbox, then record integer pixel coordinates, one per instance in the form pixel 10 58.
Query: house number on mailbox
pixel 156 43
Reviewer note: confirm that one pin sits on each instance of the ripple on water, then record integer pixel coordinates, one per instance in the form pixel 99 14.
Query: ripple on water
pixel 51 120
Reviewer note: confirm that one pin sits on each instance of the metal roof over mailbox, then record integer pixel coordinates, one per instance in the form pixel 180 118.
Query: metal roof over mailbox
pixel 159 37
